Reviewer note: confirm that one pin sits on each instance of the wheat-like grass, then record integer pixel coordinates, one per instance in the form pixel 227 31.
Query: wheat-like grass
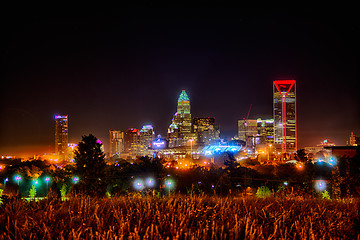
pixel 180 217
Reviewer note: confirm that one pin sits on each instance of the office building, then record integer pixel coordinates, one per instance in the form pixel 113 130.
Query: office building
pixel 354 140
pixel 248 131
pixel 206 131
pixel 265 128
pixel 173 135
pixel 285 133
pixel 116 142
pixel 61 135
pixel 132 141
pixel 147 136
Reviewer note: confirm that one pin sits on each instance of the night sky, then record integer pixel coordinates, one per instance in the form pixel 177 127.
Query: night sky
pixel 122 68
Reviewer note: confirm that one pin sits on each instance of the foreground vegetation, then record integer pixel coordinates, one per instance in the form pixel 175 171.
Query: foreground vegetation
pixel 180 217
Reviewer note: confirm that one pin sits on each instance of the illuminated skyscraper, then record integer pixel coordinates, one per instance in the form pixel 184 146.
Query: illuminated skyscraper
pixel 285 132
pixel 132 141
pixel 182 122
pixel 266 130
pixel 182 117
pixel 147 136
pixel 61 135
pixel 354 140
pixel 247 128
pixel 206 130
pixel 173 135
pixel 116 142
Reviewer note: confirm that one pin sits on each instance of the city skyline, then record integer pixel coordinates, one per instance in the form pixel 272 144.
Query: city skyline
pixel 116 72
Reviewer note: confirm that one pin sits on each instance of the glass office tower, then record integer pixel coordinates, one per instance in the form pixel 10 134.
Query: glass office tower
pixel 285 132
pixel 61 134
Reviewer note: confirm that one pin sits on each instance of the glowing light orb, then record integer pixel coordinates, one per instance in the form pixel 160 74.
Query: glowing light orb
pixel 138 184
pixel 332 161
pixel 75 179
pixel 18 178
pixel 169 184
pixel 150 182
pixel 320 185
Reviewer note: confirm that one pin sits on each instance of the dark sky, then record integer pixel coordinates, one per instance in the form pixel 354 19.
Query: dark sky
pixel 121 68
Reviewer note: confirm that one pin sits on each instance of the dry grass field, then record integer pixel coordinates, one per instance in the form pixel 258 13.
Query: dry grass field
pixel 180 217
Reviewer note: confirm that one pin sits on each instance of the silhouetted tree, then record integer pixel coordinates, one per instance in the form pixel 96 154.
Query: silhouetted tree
pixel 301 155
pixel 354 176
pixel 287 172
pixel 230 161
pixel 90 165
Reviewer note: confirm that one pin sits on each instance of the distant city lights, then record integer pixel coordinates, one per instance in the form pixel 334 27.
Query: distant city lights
pixel 59 116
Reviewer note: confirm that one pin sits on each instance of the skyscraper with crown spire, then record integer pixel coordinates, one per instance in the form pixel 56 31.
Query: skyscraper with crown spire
pixel 180 128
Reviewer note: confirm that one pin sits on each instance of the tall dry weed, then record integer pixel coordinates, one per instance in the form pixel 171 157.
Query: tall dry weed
pixel 179 217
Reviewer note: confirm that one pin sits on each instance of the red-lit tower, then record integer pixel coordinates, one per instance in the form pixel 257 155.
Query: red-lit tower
pixel 285 132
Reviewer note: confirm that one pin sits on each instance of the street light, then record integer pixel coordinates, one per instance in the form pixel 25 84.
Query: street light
pixel 332 161
pixel 169 183
pixel 18 179
pixel 5 181
pixel 270 145
pixel 75 180
pixel 191 141
pixel 138 184
pixel 150 182
pixel 47 179
pixel 320 185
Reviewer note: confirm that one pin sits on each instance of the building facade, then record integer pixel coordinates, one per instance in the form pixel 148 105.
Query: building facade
pixel 132 141
pixel 116 142
pixel 147 136
pixel 248 131
pixel 206 131
pixel 61 135
pixel 354 140
pixel 285 129
pixel 265 129
pixel 173 135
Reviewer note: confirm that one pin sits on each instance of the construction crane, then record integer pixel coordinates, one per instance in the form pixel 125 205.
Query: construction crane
pixel 247 116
